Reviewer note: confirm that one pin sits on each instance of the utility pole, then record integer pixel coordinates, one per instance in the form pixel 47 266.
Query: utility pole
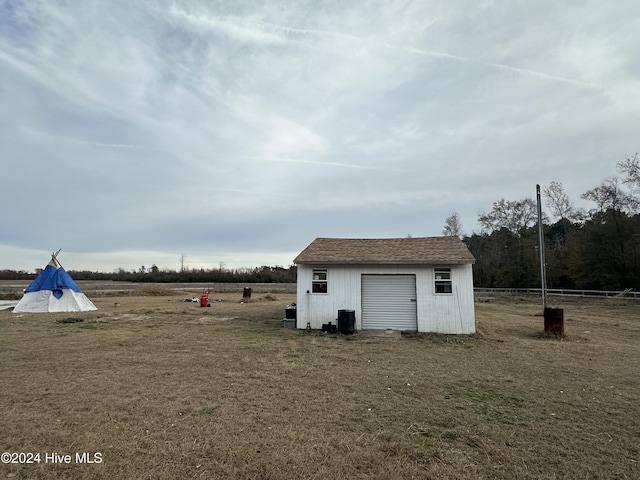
pixel 543 274
pixel 553 317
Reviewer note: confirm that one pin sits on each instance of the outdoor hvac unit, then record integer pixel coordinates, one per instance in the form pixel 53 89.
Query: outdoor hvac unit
pixel 347 321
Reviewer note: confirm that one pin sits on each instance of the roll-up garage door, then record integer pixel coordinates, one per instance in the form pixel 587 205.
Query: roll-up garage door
pixel 389 301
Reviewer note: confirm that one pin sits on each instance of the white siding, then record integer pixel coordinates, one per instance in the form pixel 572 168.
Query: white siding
pixel 441 313
pixel 319 308
pixel 447 313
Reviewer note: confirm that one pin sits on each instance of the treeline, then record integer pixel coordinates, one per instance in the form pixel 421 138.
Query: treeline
pixel 599 254
pixel 263 274
pixel 595 249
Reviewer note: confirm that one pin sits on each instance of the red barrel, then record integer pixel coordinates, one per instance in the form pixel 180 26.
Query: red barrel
pixel 204 300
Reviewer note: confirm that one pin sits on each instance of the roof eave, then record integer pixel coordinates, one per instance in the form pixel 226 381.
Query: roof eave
pixel 383 262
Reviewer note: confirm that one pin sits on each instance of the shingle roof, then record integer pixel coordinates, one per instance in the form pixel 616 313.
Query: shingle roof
pixel 409 250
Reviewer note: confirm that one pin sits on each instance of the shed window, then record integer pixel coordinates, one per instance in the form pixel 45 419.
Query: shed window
pixel 319 284
pixel 442 280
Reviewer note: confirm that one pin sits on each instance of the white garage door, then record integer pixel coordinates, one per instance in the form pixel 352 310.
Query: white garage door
pixel 389 301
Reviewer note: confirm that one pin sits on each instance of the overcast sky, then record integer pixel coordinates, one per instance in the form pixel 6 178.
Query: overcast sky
pixel 133 132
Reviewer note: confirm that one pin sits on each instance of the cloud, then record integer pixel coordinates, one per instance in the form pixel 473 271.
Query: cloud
pixel 237 28
pixel 436 54
pixel 240 129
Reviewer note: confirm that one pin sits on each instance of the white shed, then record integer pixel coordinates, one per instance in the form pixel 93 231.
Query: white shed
pixel 410 284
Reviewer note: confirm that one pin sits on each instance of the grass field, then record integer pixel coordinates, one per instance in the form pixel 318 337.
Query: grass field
pixel 163 389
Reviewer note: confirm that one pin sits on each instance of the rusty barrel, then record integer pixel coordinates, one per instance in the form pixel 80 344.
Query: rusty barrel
pixel 554 321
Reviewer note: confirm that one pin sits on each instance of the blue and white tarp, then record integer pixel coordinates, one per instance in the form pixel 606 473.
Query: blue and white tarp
pixel 53 291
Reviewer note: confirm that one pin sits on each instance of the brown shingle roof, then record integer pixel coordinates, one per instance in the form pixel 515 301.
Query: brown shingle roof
pixel 420 250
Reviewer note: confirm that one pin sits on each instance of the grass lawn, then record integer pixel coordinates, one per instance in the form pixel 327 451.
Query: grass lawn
pixel 153 387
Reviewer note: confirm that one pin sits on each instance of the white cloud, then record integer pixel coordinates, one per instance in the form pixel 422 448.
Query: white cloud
pixel 237 28
pixel 251 127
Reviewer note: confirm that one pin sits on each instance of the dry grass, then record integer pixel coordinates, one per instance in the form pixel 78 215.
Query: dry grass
pixel 10 294
pixel 167 389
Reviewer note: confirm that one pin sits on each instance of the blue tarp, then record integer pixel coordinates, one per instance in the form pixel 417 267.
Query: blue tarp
pixel 54 279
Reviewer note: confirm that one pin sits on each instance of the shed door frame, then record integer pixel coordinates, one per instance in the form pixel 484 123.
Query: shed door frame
pixel 389 302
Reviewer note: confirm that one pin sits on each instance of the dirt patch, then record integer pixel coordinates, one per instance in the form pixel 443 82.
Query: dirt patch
pixel 211 320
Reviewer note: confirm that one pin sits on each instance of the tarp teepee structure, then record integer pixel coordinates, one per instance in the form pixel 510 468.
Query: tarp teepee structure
pixel 53 291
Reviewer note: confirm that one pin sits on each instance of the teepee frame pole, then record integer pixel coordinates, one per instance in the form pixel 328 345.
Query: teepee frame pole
pixel 54 258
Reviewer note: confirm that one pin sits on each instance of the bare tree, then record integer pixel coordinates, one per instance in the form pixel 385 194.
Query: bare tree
pixel 561 206
pixel 630 168
pixel 452 226
pixel 610 196
pixel 512 215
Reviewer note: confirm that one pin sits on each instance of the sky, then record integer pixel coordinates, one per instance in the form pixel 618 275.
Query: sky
pixel 232 133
